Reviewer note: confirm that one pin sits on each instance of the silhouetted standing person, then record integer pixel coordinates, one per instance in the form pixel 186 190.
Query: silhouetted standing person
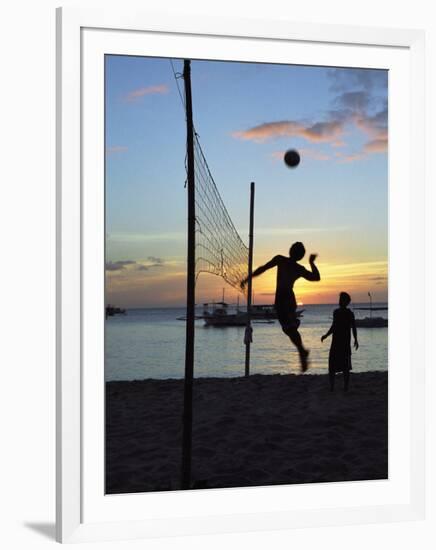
pixel 288 271
pixel 340 349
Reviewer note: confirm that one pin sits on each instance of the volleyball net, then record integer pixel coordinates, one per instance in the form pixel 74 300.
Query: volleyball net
pixel 218 245
pixel 219 249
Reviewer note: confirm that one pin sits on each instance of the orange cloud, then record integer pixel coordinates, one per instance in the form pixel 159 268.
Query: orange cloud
pixel 376 128
pixel 352 111
pixel 318 132
pixel 148 90
pixel 376 146
pixel 373 146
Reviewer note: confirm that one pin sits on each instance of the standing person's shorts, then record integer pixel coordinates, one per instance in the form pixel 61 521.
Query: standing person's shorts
pixel 340 357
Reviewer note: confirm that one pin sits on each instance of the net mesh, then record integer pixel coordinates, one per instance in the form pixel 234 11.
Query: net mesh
pixel 219 248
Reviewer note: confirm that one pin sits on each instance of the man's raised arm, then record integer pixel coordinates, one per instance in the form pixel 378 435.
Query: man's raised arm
pixel 312 275
pixel 262 269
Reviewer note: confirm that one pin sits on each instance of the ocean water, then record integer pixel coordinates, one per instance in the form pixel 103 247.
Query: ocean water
pixel 150 343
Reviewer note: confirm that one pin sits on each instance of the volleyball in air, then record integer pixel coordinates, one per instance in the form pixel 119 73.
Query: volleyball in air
pixel 292 158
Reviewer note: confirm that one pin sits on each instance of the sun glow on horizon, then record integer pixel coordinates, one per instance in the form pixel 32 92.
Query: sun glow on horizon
pixel 165 285
pixel 335 202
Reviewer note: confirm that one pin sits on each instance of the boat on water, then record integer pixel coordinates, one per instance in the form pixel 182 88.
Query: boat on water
pixel 217 315
pixel 371 321
pixel 263 311
pixel 112 310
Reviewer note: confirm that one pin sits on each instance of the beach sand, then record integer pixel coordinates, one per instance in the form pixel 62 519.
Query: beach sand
pixel 261 430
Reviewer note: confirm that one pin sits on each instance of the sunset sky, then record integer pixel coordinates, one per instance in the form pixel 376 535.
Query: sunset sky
pixel 247 115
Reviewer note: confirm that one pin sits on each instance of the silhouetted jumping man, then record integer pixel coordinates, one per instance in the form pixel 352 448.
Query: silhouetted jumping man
pixel 288 271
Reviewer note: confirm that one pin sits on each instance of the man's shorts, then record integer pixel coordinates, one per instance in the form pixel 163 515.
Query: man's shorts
pixel 287 316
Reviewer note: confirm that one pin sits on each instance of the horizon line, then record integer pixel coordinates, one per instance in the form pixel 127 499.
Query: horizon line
pixel 244 305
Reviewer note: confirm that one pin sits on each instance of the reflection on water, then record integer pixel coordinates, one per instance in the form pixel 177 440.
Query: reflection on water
pixel 150 343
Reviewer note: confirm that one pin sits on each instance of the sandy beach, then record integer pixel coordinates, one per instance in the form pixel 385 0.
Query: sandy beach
pixel 263 430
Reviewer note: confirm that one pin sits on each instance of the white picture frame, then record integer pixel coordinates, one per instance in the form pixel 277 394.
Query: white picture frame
pixel 80 514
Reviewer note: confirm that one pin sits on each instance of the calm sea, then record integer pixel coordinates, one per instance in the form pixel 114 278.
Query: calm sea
pixel 150 343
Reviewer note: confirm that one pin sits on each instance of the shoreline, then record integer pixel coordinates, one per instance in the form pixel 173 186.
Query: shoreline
pixel 211 378
pixel 261 430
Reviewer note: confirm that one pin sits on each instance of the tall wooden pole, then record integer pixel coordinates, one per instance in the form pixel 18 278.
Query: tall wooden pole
pixel 190 291
pixel 248 330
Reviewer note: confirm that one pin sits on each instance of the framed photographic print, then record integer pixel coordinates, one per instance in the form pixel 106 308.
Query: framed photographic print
pixel 240 205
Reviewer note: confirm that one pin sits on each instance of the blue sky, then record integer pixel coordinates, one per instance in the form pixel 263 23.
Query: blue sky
pixel 247 115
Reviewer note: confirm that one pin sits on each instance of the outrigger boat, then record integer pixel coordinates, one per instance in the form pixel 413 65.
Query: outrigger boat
pixel 217 315
pixel 112 310
pixel 263 311
pixel 266 312
pixel 371 322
